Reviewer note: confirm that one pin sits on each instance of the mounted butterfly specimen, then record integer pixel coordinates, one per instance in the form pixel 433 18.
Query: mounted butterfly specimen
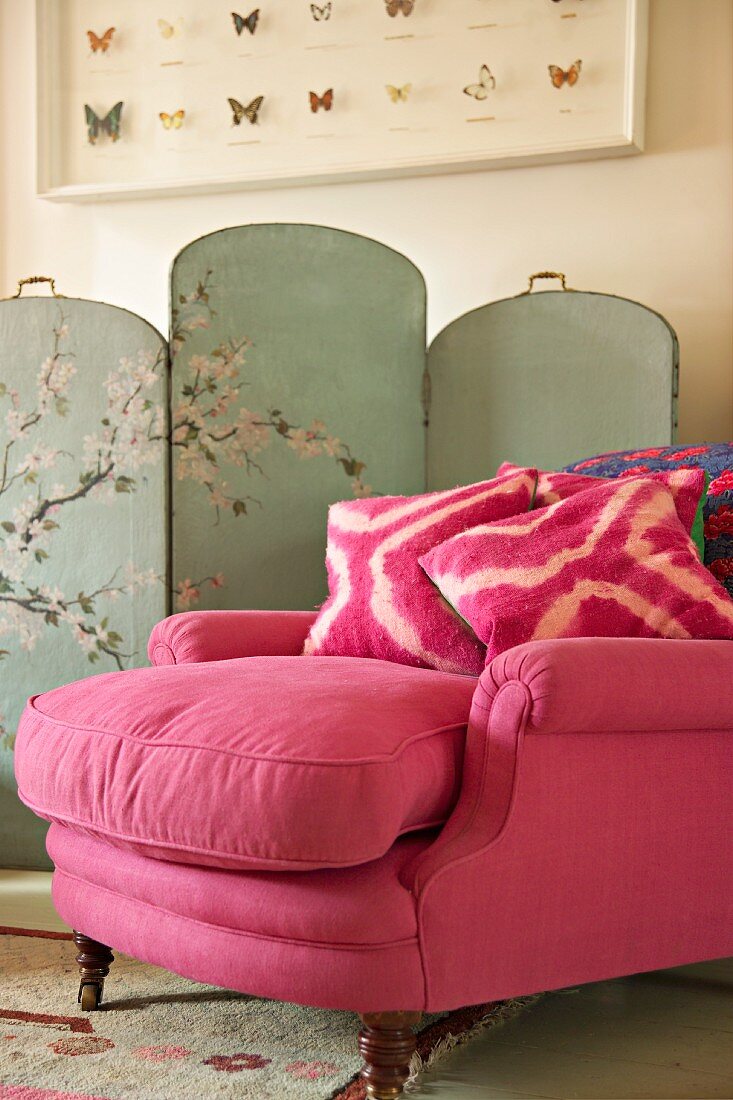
pixel 249 21
pixel 560 76
pixel 170 30
pixel 100 44
pixel 486 84
pixel 325 100
pixel 395 6
pixel 250 111
pixel 174 121
pixel 321 14
pixel 398 95
pixel 110 124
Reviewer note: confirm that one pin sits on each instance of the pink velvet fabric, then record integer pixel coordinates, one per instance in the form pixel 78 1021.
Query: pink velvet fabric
pixel 260 762
pixel 592 838
pixel 221 635
pixel 612 561
pixel 380 603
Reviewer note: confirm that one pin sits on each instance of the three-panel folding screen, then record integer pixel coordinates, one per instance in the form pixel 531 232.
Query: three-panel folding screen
pixel 140 475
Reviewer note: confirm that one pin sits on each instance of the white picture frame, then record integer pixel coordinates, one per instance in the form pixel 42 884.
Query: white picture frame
pixel 603 116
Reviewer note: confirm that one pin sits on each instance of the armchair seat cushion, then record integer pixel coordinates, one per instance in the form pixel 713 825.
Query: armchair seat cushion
pixel 274 763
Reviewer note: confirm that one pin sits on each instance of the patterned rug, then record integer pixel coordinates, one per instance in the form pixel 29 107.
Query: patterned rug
pixel 161 1036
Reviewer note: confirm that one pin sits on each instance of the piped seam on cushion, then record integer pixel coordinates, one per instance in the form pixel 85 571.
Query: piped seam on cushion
pixel 298 761
pixel 318 944
pixel 232 857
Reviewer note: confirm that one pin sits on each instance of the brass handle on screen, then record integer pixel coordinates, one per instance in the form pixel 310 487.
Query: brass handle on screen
pixel 546 275
pixel 37 279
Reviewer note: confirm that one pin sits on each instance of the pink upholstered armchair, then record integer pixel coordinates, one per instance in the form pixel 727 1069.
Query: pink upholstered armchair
pixel 403 840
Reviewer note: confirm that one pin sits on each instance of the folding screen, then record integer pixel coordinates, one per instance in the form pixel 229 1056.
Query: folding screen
pixel 82 510
pixel 298 355
pixel 298 378
pixel 545 379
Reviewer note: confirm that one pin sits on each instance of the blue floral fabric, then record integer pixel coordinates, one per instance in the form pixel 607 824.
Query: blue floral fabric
pixel 717 461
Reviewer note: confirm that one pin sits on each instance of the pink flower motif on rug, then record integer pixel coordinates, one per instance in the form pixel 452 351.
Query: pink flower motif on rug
pixel 311 1071
pixel 161 1054
pixel 380 603
pixel 75 1045
pixel 234 1063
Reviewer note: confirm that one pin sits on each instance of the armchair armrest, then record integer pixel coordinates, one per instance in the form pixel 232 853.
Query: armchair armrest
pixel 194 636
pixel 593 835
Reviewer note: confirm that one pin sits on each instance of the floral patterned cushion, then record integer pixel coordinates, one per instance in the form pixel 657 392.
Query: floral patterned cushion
pixel 716 459
pixel 380 602
pixel 612 561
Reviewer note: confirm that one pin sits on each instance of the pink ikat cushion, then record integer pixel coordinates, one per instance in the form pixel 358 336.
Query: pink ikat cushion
pixel 380 603
pixel 612 561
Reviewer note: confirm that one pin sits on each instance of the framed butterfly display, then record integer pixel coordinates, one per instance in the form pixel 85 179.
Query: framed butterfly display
pixel 144 99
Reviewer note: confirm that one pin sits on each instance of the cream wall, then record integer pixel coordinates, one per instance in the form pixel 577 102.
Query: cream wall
pixel 656 227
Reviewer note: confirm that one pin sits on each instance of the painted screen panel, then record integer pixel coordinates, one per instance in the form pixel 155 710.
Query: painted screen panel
pixel 298 356
pixel 545 379
pixel 83 490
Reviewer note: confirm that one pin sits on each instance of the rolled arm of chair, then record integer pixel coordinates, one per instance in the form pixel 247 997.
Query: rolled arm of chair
pixel 593 835
pixel 576 687
pixel 194 636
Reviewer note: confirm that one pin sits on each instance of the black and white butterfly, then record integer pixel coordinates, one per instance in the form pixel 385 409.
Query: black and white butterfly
pixel 250 111
pixel 486 83
pixel 323 13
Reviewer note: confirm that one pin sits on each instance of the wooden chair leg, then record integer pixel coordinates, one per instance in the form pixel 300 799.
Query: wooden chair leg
pixel 387 1042
pixel 94 961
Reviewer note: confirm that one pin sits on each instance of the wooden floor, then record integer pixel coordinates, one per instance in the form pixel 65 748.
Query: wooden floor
pixel 661 1036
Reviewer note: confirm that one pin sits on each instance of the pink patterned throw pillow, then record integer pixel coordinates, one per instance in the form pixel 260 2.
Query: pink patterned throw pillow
pixel 686 486
pixel 613 561
pixel 381 604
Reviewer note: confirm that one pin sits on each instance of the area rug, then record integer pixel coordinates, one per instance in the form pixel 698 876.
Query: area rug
pixel 160 1036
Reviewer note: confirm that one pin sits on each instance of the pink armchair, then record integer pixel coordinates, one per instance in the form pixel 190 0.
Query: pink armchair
pixel 412 841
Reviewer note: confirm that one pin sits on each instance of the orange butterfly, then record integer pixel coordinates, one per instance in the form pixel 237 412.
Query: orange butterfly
pixel 559 76
pixel 325 100
pixel 102 43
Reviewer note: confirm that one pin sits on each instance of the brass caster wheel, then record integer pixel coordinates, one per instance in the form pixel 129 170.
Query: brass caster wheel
pixel 90 996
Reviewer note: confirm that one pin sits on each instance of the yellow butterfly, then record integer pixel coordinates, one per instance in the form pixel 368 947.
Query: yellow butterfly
pixel 168 30
pixel 398 95
pixel 174 121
